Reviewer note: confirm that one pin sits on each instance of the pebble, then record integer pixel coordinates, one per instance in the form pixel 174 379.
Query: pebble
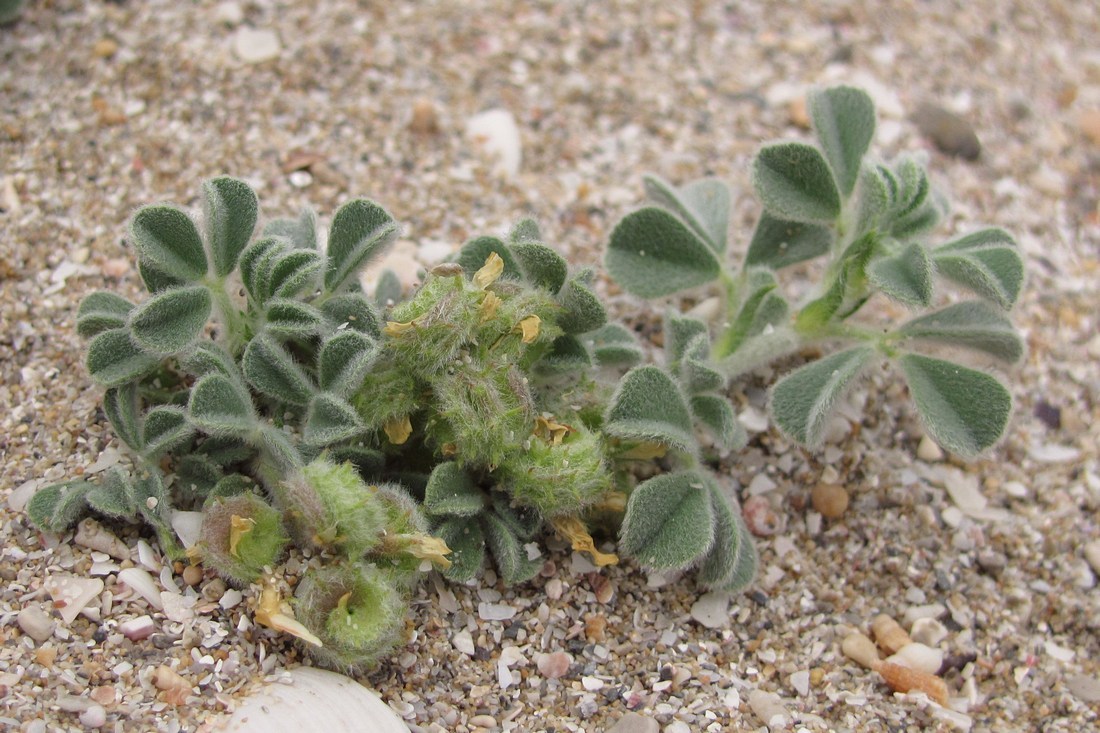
pixel 830 500
pixel 554 588
pixel 229 13
pixel 94 717
pixel 300 179
pixel 256 45
pixel 495 611
pixel 72 593
pixel 1084 687
pixel 142 584
pixel 928 451
pixel 105 48
pixel 483 721
pixel 677 726
pixel 139 628
pixel 553 665
pixel 496 134
pixel 192 575
pixel 769 708
pixel 712 609
pixel 920 657
pixel 1092 555
pixel 1089 122
pixel 859 648
pixel 463 642
pixel 928 610
pixel 635 723
pixel 592 684
pixel 800 681
pixel 950 133
pixel 760 518
pixel 36 623
pixel 425 118
pixel 928 631
pixel 91 534
pixel 1053 453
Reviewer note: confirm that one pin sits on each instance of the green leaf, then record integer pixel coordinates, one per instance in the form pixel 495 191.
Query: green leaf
pixel 614 346
pixel 112 496
pixel 451 492
pixel 964 410
pixel 101 311
pixel 761 306
pixel 156 280
pixel 217 407
pixel 367 461
pixel 165 429
pixel 229 213
pixel 225 450
pixel 354 310
pixel 388 290
pixel 704 205
pixel 344 361
pixel 906 276
pixel 873 198
pixel 778 243
pixel 300 232
pixel 56 508
pixel 295 272
pixel 716 413
pixel 123 408
pixel 844 121
pixel 582 310
pixel 524 522
pixel 113 358
pixel 361 230
pixel 696 372
pixel 508 552
pixel 567 354
pixel 169 321
pixel 973 324
pixel 542 266
pixel 330 419
pixel 288 319
pixel 151 499
pixel 652 253
pixel 525 230
pixel 986 262
pixel 679 332
pixel 255 265
pixel 648 407
pixel 167 238
pixel 273 372
pixel 794 182
pixel 669 521
pixel 207 357
pixel 467 542
pixel 234 484
pixel 474 253
pixel 801 402
pixel 731 563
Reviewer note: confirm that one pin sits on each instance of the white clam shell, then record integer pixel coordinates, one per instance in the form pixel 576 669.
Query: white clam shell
pixel 143 584
pixel 315 700
pixel 920 657
pixel 72 593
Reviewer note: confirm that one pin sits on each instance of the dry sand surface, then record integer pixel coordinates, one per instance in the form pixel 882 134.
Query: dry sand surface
pixel 105 106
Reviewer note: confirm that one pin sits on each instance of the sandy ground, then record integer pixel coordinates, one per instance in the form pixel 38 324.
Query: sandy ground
pixel 105 106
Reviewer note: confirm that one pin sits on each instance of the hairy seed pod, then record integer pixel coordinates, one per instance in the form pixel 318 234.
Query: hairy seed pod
pixel 861 649
pixel 903 679
pixel 889 634
pixel 241 535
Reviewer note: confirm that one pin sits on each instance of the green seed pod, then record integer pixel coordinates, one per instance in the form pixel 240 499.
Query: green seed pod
pixel 241 535
pixel 562 471
pixel 355 610
pixel 354 520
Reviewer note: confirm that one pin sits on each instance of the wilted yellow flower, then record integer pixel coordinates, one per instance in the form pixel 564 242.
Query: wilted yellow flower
pixel 427 547
pixel 276 614
pixel 398 429
pixel 550 430
pixel 529 327
pixel 238 528
pixel 393 328
pixel 645 451
pixel 574 530
pixel 489 272
pixel 489 306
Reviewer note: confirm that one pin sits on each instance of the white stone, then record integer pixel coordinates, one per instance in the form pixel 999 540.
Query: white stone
pixel 920 657
pixel 1061 653
pixel 800 681
pixel 592 684
pixel 315 700
pixel 230 599
pixel 256 45
pixel 72 593
pixel 496 134
pixel 1052 453
pixel 91 534
pixel 677 726
pixel 1092 555
pixel 753 420
pixel 929 610
pixel 928 451
pixel 928 631
pixel 188 527
pixel 139 628
pixel 712 609
pixel 554 589
pixel 229 13
pixel 94 717
pixel 17 500
pixel 36 623
pixel 769 708
pixel 761 484
pixel 463 642
pixel 495 611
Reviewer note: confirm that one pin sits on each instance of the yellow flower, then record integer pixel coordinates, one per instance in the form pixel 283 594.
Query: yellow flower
pixel 574 530
pixel 550 430
pixel 398 429
pixel 529 327
pixel 393 328
pixel 489 272
pixel 238 528
pixel 276 614
pixel 489 306
pixel 428 548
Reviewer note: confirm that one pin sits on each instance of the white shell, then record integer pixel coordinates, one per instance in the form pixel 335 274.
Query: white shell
pixel 928 631
pixel 142 584
pixel 315 700
pixel 919 657
pixel 72 593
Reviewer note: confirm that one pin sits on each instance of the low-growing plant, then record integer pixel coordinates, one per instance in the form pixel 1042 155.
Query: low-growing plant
pixel 379 436
pixel 870 221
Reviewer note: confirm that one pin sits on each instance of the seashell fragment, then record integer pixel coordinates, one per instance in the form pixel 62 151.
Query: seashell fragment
pixel 889 634
pixel 91 534
pixel 861 649
pixel 71 594
pixel 903 679
pixel 920 657
pixel 928 631
pixel 142 584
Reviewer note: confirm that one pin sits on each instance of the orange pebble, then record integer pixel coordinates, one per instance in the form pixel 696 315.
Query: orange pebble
pixel 889 635
pixel 903 679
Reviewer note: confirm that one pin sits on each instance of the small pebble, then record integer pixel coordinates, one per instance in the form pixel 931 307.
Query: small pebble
pixel 192 575
pixel 464 642
pixel 425 118
pixel 496 134
pixel 800 681
pixel 635 723
pixel 554 588
pixel 950 133
pixel 94 717
pixel 495 611
pixel 712 609
pixel 592 684
pixel 830 500
pixel 256 45
pixel 553 665
pixel 1092 555
pixel 861 649
pixel 928 451
pixel 36 623
pixel 229 13
pixel 920 657
pixel 928 610
pixel 760 518
pixel 483 721
pixel 928 631
pixel 139 628
pixel 677 726
pixel 1089 123
pixel 91 534
pixel 1084 687
pixel 105 48
pixel 769 708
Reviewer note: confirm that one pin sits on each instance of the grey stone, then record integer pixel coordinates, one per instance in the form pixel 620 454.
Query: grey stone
pixel 950 133
pixel 36 623
pixel 1084 687
pixel 635 723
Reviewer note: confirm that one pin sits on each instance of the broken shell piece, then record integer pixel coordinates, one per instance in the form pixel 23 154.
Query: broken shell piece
pixel 71 594
pixel 91 534
pixel 142 583
pixel 920 657
pixel 903 679
pixel 861 649
pixel 889 635
pixel 928 631
pixel 188 527
pixel 176 688
pixel 139 628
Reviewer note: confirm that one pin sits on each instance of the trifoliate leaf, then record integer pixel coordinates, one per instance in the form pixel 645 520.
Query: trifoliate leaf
pixel 987 262
pixel 778 243
pixel 567 354
pixel 255 265
pixel 524 522
pixel 474 254
pixel 974 324
pixel 165 429
pixel 344 361
pixel 648 407
pixel 509 553
pixel 525 230
pixel 761 306
pixel 101 311
pixel 704 205
pixel 361 230
pixel 56 508
pixel 122 406
pixel 354 310
pixel 844 121
pixel 330 419
pixel 452 493
pixel 217 406
pixel 906 276
pixel 467 542
pixel 873 198
pixel 669 522
pixel 171 320
pixel 273 372
pixel 794 182
pixel 114 359
pixel 716 413
pixel 652 253
pixel 296 271
pixel 111 497
pixel 696 372
pixel 167 238
pixel 542 266
pixel 679 332
pixel 290 319
pixel 229 215
pixel 155 279
pixel 720 565
pixel 802 401
pixel 964 410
